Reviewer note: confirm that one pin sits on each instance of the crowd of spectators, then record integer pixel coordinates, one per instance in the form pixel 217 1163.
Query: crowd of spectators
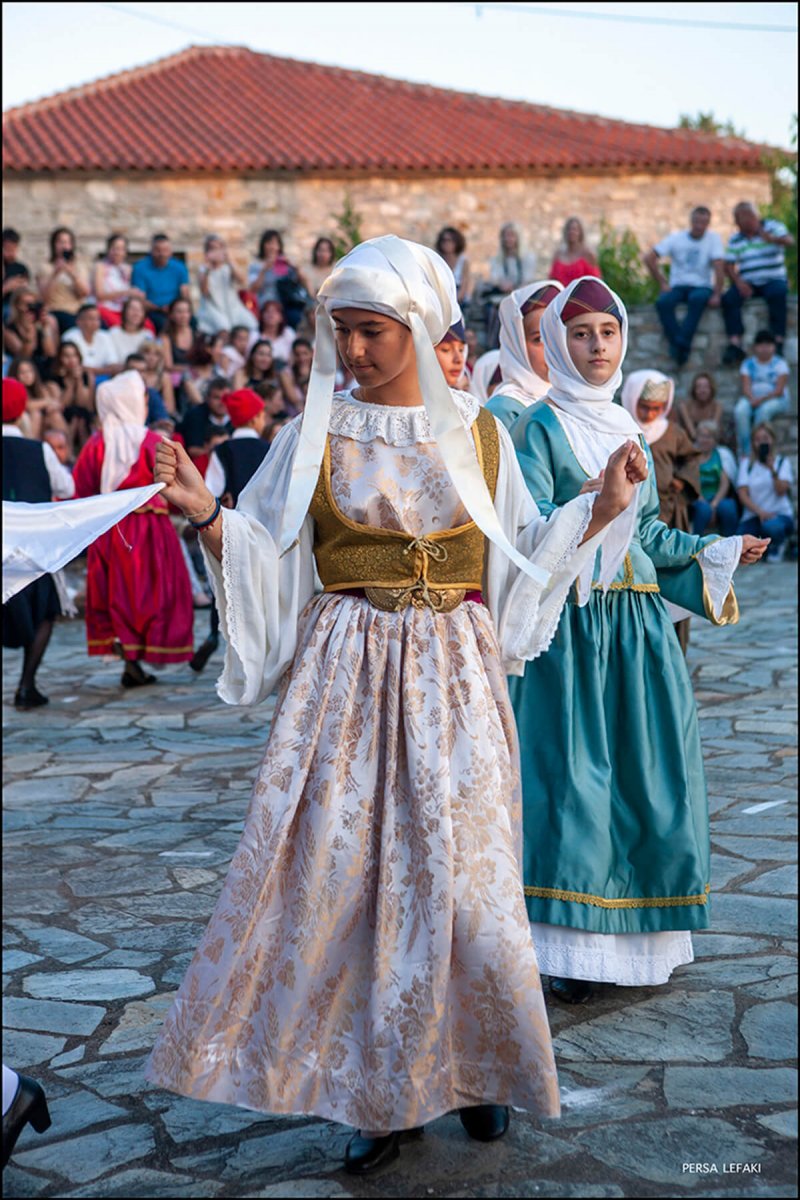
pixel 69 325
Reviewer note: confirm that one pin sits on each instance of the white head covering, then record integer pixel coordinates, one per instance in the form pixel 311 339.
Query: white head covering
pixel 648 385
pixel 482 372
pixel 520 381
pixel 415 286
pixel 593 424
pixel 122 409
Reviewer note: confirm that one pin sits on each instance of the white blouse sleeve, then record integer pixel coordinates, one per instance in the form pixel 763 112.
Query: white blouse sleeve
pixel 525 613
pixel 259 593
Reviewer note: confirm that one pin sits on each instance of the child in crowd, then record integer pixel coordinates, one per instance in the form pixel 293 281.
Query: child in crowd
pixel 765 388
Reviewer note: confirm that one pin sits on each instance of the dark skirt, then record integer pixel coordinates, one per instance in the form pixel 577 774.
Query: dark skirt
pixel 24 613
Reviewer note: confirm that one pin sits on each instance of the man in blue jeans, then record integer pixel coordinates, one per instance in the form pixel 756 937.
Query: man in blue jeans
pixel 697 273
pixel 756 265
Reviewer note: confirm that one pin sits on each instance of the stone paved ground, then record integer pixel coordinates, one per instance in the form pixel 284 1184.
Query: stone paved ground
pixel 122 813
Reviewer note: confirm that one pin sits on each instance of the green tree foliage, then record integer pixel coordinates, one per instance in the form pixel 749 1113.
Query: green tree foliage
pixel 619 257
pixel 783 203
pixel 708 123
pixel 348 228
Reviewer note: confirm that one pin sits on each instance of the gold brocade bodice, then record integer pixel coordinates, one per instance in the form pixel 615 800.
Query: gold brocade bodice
pixel 394 567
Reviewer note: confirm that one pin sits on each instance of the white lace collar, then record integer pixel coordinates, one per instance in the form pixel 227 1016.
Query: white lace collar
pixel 363 422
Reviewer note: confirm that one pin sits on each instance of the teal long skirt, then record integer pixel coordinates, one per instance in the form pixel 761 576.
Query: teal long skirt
pixel 615 812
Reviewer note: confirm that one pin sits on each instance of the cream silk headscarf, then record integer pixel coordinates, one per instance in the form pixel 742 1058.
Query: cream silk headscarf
pixel 520 381
pixel 593 424
pixel 648 385
pixel 413 285
pixel 480 383
pixel 122 409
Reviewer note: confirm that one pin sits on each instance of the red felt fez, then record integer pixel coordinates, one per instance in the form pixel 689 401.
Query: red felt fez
pixel 15 400
pixel 242 406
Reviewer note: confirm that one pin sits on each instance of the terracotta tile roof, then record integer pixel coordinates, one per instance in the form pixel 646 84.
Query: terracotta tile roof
pixel 228 109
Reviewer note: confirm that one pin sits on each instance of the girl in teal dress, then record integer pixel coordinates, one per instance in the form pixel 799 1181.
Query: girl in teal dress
pixel 616 840
pixel 522 365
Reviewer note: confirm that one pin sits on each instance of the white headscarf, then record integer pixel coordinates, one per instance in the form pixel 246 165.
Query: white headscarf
pixel 122 409
pixel 520 381
pixel 593 424
pixel 415 286
pixel 481 379
pixel 648 385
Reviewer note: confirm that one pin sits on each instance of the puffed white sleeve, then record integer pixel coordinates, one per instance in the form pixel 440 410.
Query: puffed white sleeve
pixel 525 612
pixel 259 593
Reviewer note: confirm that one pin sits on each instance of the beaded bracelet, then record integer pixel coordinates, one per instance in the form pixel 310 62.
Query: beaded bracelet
pixel 210 520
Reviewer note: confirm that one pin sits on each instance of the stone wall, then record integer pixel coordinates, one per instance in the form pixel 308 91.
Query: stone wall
pixel 303 208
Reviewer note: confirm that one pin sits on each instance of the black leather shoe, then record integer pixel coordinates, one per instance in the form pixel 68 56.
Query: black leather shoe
pixel 29 1104
pixel 485 1122
pixel 364 1155
pixel 29 698
pixel 571 991
pixel 133 676
pixel 203 653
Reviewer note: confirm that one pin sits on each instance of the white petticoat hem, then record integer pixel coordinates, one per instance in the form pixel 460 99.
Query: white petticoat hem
pixel 627 959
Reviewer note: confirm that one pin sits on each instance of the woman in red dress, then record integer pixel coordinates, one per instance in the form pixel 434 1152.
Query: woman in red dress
pixel 138 595
pixel 573 258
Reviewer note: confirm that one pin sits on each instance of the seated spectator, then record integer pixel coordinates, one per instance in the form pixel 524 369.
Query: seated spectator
pixel 508 270
pixel 15 274
pixel 452 245
pixel 112 281
pixel 95 344
pixel 155 374
pixel 299 374
pixel 765 389
pixel 63 281
pixel 756 265
pixel 696 278
pixel 237 349
pixel 76 387
pixel 573 258
pixel 132 332
pixel 157 412
pixel 273 277
pixel 323 256
pixel 219 280
pixel 716 507
pixel 162 278
pixel 702 405
pixel 43 410
pixel 178 341
pixel 274 407
pixel 217 346
pixel 207 424
pixel 764 485
pixel 273 327
pixel 261 367
pixel 30 331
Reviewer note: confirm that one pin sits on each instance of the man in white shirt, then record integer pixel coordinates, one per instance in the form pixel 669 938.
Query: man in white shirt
pixel 96 347
pixel 696 278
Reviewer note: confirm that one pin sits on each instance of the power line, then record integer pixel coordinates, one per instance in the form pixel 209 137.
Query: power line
pixel 627 18
pixel 134 12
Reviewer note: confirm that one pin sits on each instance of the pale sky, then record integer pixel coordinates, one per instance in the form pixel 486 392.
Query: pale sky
pixel 639 72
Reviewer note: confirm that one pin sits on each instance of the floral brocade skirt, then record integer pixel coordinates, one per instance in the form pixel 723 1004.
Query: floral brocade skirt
pixel 370 959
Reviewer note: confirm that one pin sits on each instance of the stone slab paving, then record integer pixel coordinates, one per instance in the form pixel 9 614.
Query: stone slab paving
pixel 121 814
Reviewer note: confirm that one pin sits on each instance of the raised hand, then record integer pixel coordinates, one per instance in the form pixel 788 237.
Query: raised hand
pixel 185 486
pixel 752 548
pixel 625 468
